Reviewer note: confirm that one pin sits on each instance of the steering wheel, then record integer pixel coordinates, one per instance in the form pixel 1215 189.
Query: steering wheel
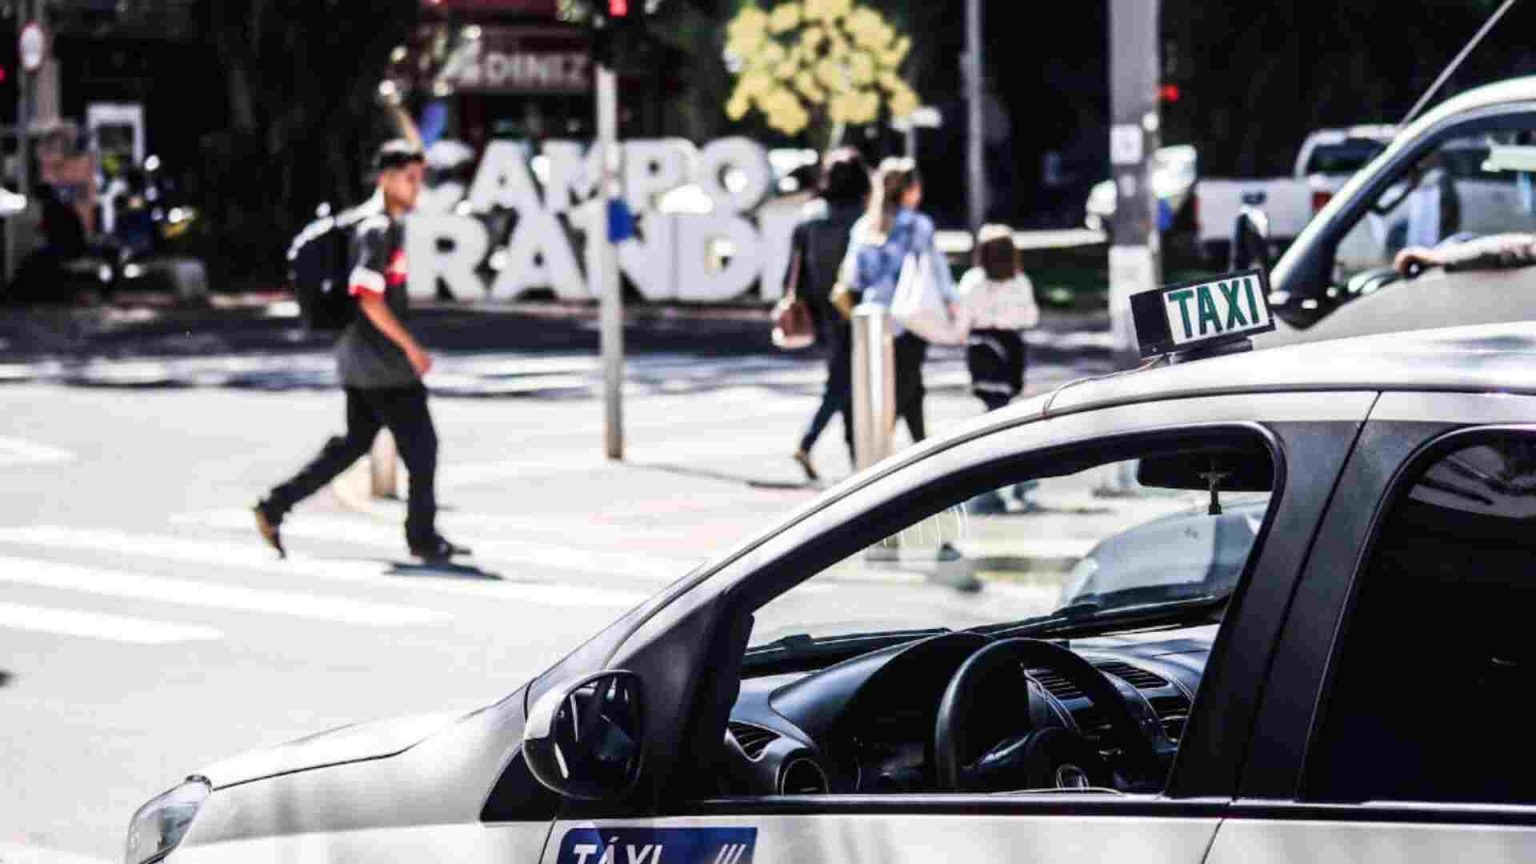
pixel 980 748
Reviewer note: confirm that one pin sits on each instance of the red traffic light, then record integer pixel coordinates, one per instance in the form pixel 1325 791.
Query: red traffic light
pixel 618 8
pixel 1168 94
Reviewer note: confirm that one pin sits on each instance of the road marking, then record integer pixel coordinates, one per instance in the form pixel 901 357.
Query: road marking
pixel 249 556
pixel 363 531
pixel 15 451
pixel 98 625
pixel 118 583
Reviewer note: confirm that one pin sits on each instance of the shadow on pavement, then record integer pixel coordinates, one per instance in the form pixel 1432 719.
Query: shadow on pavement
pixel 444 571
pixel 729 477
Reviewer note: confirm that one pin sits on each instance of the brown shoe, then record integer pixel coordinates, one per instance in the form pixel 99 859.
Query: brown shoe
pixel 804 460
pixel 269 528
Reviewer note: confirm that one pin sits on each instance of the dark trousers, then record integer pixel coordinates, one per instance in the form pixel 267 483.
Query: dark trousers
pixel 404 413
pixel 837 395
pixel 996 361
pixel 911 351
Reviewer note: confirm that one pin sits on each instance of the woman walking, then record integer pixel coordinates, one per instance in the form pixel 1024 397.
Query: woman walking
pixel 818 248
pixel 883 239
pixel 997 303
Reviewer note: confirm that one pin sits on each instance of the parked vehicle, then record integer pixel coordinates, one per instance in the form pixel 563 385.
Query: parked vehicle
pixel 1174 171
pixel 1326 160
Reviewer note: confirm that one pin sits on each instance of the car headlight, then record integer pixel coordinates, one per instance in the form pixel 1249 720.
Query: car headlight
pixel 161 823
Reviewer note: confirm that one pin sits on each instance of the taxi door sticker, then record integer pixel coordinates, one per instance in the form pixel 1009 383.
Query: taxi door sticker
pixel 657 846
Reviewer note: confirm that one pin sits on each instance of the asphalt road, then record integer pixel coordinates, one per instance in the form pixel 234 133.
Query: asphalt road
pixel 145 633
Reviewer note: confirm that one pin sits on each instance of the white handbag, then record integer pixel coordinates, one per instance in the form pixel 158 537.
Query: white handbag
pixel 919 305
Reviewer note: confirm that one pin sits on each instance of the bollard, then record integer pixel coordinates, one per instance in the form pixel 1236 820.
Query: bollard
pixel 382 462
pixel 874 384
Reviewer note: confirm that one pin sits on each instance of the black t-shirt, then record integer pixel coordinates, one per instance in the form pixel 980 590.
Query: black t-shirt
pixel 366 358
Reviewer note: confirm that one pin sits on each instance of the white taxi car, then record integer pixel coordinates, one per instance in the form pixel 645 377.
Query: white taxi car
pixel 1355 691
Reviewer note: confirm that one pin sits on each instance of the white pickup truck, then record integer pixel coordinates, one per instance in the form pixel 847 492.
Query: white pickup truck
pixel 1464 170
pixel 1327 159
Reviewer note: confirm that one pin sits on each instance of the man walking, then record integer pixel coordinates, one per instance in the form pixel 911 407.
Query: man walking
pixel 381 366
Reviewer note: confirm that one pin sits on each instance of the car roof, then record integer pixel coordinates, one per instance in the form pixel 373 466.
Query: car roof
pixel 1480 358
pixel 1380 132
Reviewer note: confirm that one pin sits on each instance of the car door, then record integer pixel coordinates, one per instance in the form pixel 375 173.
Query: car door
pixel 1309 435
pixel 1396 724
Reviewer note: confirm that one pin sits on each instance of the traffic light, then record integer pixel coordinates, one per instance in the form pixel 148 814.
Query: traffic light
pixel 618 33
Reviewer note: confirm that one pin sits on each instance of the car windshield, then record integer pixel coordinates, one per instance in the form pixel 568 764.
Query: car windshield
pixel 1093 544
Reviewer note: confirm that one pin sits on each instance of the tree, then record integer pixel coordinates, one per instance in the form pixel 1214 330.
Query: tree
pixel 301 78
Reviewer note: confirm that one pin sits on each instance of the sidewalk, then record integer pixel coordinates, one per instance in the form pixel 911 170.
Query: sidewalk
pixel 528 349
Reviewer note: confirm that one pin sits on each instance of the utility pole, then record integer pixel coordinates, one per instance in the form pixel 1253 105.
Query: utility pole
pixel 975 138
pixel 31 51
pixel 1134 70
pixel 605 272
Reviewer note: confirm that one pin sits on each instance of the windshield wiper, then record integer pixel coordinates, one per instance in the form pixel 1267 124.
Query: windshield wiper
pixel 1092 615
pixel 803 645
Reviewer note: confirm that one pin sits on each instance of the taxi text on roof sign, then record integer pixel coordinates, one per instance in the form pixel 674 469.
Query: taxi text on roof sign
pixel 1202 314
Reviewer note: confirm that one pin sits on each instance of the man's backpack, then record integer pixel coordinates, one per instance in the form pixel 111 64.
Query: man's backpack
pixel 319 262
pixel 320 265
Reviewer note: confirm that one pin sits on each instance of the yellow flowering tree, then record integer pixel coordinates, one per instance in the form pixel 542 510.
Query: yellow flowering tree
pixel 833 63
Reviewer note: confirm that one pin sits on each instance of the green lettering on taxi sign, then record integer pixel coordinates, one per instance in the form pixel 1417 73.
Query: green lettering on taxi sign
pixel 1195 314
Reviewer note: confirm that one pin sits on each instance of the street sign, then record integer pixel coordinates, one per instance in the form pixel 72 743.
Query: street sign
pixel 32 45
pixel 1202 314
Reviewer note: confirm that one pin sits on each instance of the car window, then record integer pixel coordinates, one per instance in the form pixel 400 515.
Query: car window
pixel 1428 700
pixel 1344 157
pixel 1465 187
pixel 1097 539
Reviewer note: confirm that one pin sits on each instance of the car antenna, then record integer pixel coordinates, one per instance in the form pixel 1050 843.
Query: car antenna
pixel 1456 62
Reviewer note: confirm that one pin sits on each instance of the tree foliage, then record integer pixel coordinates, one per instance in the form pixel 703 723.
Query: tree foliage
pixel 300 78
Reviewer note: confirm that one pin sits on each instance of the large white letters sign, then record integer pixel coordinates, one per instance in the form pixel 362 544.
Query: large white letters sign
pixel 704 231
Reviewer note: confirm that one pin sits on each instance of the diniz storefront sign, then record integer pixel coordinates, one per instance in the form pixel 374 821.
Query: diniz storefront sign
pixel 523 60
pixel 520 224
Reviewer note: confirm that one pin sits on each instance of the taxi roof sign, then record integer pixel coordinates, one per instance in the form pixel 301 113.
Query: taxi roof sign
pixel 1202 314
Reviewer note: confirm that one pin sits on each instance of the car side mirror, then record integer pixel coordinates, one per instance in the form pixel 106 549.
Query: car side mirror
pixel 585 740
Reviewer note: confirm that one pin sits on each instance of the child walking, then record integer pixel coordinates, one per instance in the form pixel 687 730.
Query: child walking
pixel 997 303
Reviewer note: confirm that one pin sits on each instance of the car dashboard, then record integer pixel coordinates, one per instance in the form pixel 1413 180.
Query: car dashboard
pixel 866 725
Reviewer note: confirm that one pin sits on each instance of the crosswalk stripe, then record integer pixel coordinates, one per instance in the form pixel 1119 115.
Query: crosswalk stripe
pixel 98 625
pixel 116 583
pixel 363 531
pixel 16 451
pixel 249 556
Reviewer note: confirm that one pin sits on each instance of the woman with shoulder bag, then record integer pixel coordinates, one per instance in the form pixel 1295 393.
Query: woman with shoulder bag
pixel 818 245
pixel 891 232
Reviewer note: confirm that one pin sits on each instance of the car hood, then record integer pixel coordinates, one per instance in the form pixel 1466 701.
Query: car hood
pixel 353 743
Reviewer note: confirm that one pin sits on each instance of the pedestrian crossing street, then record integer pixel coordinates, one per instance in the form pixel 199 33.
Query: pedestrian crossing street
pixel 74 582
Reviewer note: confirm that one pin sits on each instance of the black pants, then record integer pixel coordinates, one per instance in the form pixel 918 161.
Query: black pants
pixel 911 351
pixel 996 362
pixel 837 396
pixel 404 413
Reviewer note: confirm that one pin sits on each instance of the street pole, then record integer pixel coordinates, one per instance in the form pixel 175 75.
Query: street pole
pixel 1134 69
pixel 975 167
pixel 605 270
pixel 23 180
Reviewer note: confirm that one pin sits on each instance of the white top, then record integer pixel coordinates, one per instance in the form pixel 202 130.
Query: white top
pixel 988 305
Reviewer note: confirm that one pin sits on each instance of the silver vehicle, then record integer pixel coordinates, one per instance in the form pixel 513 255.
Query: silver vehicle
pixel 1355 692
pixel 1465 169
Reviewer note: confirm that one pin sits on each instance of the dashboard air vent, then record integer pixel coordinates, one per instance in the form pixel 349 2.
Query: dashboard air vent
pixel 1056 685
pixel 1135 676
pixel 1172 712
pixel 753 739
pixel 802 777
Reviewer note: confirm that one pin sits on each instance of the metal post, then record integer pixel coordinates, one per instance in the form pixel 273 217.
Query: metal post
pixel 874 385
pixel 1134 66
pixel 605 272
pixel 383 476
pixel 975 139
pixel 13 226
